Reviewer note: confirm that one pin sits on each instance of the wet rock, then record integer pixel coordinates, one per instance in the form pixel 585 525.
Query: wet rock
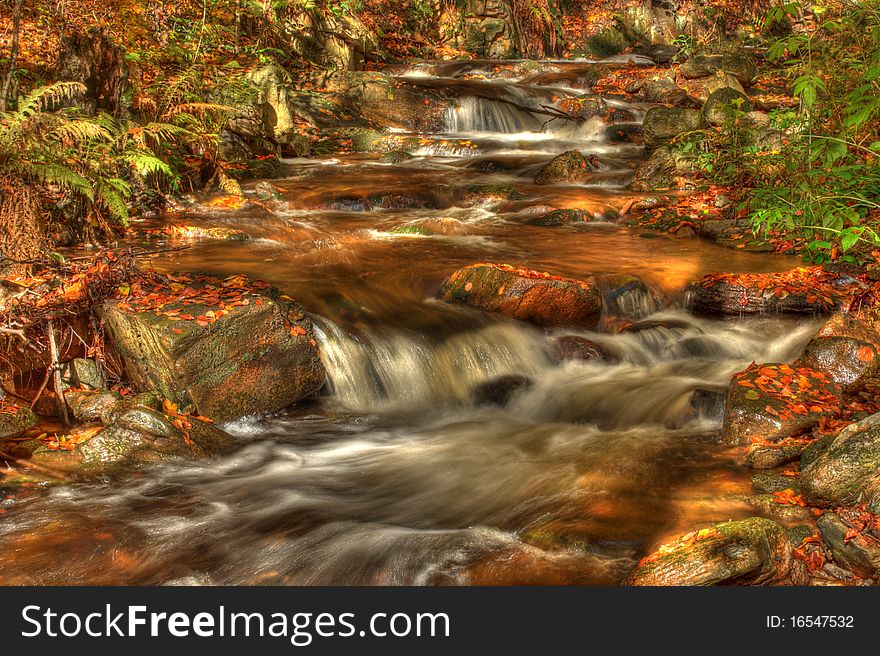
pixel 545 300
pixel 626 296
pixel 770 456
pixel 767 483
pixel 267 191
pixel 90 405
pixel 489 194
pixel 663 124
pixel 816 449
pixel 753 551
pixel 765 139
pixel 257 357
pixel 848 470
pixel 445 226
pixel 396 201
pixel 144 400
pixel 773 401
pixel 490 166
pixel 15 419
pixel 858 554
pixel 82 372
pixel 737 63
pixel 767 505
pixel 561 217
pixel 797 534
pixel 663 90
pixel 658 172
pixel 709 403
pixel 846 349
pixel 570 166
pixel 349 204
pixel 396 157
pixel 143 435
pixel 571 347
pixel 625 133
pixel 591 106
pixel 725 105
pixel 758 294
pixel 499 391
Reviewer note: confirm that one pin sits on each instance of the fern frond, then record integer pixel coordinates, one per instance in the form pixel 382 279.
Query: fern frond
pixel 57 175
pixel 197 108
pixel 112 200
pixel 43 98
pixel 145 164
pixel 79 132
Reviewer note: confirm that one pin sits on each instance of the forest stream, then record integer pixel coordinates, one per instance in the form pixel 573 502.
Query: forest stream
pixel 396 473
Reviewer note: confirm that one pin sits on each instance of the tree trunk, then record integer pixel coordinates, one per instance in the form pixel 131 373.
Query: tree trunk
pixel 9 81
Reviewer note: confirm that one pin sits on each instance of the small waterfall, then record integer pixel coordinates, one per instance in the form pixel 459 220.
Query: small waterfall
pixel 402 371
pixel 475 114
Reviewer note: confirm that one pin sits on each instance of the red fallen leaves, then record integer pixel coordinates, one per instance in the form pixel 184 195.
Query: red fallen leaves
pixel 814 283
pixel 789 498
pixel 182 420
pixel 811 552
pixel 167 295
pixel 800 390
pixel 864 525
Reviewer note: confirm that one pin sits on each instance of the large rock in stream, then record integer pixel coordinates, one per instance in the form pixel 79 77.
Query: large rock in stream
pixel 799 292
pixel 846 349
pixel 570 166
pixel 847 470
pixel 858 553
pixel 543 299
pixel 754 551
pixel 226 348
pixel 769 402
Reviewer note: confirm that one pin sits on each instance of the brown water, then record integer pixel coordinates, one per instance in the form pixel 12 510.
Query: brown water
pixel 394 475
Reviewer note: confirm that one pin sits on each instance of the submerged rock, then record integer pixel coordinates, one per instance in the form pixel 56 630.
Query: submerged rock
pixel 541 298
pixel 499 391
pixel 847 471
pixel 856 553
pixel 846 349
pixel 488 194
pixel 770 456
pixel 396 157
pixel 663 124
pixel 561 217
pixel 571 347
pixel 570 166
pixel 773 401
pixel 255 354
pixel 754 551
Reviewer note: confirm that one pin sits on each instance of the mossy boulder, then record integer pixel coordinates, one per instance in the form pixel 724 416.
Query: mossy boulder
pixel 490 194
pixel 82 372
pixel 663 90
pixel 848 470
pixel 663 124
pixel 545 300
pixel 723 106
pixel 859 554
pixel 145 435
pixel 846 349
pixel 772 455
pixel 396 157
pixel 658 172
pixel 15 419
pixel 89 404
pixel 625 133
pixel 256 354
pixel 769 402
pixel 737 63
pixel 570 166
pixel 561 217
pixel 754 551
pixel 443 227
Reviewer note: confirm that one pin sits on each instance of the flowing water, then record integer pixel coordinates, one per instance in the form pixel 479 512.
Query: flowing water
pixel 394 475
